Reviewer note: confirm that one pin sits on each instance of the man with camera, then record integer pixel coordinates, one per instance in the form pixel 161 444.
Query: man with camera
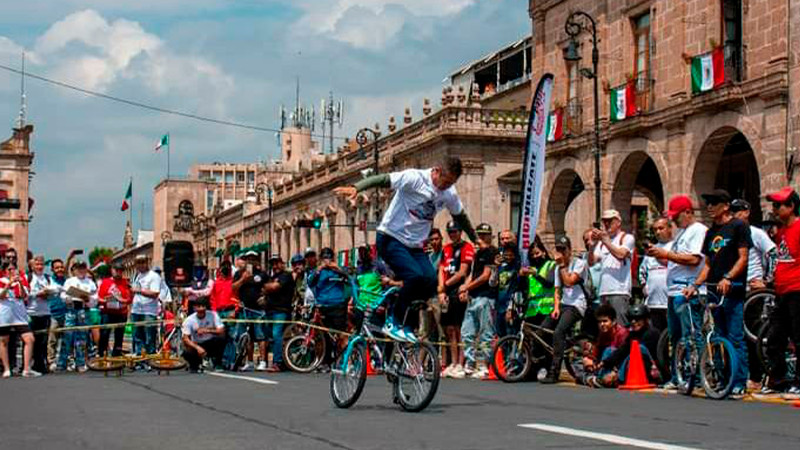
pixel 248 283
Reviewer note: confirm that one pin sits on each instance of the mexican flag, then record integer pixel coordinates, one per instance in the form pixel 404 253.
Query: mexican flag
pixel 128 195
pixel 163 142
pixel 708 71
pixel 623 102
pixel 555 125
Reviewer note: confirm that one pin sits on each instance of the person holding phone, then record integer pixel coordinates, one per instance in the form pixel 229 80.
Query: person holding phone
pixel 80 293
pixel 14 289
pixel 570 303
pixel 248 284
pixel 653 273
pixel 614 252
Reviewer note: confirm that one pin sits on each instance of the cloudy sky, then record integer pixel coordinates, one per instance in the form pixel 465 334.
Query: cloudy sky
pixel 232 60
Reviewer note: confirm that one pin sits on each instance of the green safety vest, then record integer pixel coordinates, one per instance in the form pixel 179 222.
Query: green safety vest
pixel 541 300
pixel 370 290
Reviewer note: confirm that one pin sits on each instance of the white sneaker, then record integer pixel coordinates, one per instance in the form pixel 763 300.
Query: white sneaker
pixel 53 367
pixel 247 367
pixel 542 374
pixel 7 374
pixel 457 372
pixel 447 372
pixel 468 370
pixel 31 374
pixel 262 366
pixel 481 373
pixel 83 369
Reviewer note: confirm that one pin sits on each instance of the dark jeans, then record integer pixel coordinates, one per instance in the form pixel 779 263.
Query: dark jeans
pixel 144 336
pixel 275 335
pixel 658 317
pixel 411 266
pixel 620 303
pixel 105 333
pixel 40 325
pixel 729 322
pixel 784 324
pixel 213 348
pixel 562 327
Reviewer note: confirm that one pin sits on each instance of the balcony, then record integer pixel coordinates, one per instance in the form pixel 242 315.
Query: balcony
pixel 643 91
pixel 573 117
pixel 733 62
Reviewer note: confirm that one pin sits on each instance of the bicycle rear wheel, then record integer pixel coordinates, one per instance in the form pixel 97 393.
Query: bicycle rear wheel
pixel 753 312
pixel 106 364
pixel 166 363
pixel 762 352
pixel 686 364
pixel 573 357
pixel 417 375
pixel 718 367
pixel 303 355
pixel 515 358
pixel 664 353
pixel 348 375
pixel 242 343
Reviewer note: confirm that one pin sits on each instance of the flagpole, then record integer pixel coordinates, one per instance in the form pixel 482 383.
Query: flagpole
pixel 169 147
pixel 130 210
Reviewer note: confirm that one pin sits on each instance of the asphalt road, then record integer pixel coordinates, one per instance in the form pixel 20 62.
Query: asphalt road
pixel 183 411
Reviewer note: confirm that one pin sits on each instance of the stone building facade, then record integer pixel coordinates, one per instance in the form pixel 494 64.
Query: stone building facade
pixel 742 135
pixel 16 159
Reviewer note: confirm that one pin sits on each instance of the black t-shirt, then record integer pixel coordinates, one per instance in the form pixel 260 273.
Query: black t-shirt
pixel 281 300
pixel 721 247
pixel 485 257
pixel 250 290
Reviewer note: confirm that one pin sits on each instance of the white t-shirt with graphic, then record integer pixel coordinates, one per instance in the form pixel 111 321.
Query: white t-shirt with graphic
pixel 573 295
pixel 149 281
pixel 689 240
pixel 416 202
pixel 38 306
pixel 654 277
pixel 616 276
pixel 194 323
pixel 762 244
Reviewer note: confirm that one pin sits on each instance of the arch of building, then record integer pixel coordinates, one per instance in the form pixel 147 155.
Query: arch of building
pixel 564 193
pixel 637 172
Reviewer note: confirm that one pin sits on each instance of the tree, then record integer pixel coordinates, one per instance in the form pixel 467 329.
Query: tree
pixel 99 254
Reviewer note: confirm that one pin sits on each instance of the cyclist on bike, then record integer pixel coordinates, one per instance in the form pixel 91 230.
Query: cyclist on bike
pixel 419 196
pixel 785 317
pixel 684 263
pixel 570 303
pixel 537 283
pixel 329 283
pixel 726 249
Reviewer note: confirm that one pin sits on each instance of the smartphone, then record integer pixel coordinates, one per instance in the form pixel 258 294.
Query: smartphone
pixel 596 225
pixel 249 268
pixel 78 251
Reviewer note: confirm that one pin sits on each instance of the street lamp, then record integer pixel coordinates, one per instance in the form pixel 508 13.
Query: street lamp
pixel 201 222
pixel 362 139
pixel 576 23
pixel 261 189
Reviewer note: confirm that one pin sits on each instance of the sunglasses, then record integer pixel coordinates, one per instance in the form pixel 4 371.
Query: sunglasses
pixel 777 205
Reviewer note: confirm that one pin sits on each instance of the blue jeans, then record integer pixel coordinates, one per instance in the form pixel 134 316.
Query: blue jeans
pixel 275 335
pixel 679 310
pixel 144 336
pixel 729 320
pixel 257 330
pixel 73 341
pixel 229 351
pixel 478 322
pixel 411 266
pixel 501 327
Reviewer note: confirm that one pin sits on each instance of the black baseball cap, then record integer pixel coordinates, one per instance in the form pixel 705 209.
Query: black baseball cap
pixel 326 253
pixel 310 252
pixel 740 205
pixel 717 196
pixel 483 228
pixel 453 226
pixel 563 241
pixel 276 257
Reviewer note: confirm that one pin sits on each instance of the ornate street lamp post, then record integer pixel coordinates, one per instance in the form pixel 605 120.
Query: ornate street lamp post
pixel 201 222
pixel 261 189
pixel 576 23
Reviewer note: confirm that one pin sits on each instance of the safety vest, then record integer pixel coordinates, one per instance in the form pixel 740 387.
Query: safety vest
pixel 541 300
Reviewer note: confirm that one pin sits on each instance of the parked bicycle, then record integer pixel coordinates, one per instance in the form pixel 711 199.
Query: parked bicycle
pixel 515 355
pixel 305 352
pixel 243 341
pixel 412 368
pixel 712 360
pixel 757 307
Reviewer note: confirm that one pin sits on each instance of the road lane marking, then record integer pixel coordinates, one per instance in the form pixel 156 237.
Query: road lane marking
pixel 241 377
pixel 612 438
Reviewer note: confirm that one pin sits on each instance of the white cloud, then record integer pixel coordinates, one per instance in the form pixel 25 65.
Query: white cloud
pixel 369 24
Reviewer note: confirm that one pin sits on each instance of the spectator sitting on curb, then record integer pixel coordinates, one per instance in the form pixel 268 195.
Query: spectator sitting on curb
pixel 642 331
pixel 612 336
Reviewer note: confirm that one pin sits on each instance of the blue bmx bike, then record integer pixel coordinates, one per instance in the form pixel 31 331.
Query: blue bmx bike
pixel 412 368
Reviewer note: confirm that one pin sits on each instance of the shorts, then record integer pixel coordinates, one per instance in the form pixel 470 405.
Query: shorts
pixel 93 316
pixel 334 317
pixel 10 329
pixel 258 331
pixel 456 309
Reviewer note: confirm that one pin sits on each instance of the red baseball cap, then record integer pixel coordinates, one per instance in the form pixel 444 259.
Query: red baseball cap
pixel 677 205
pixel 782 195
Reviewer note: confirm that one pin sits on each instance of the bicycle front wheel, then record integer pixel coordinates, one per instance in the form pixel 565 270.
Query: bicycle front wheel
pixel 664 350
pixel 686 364
pixel 242 344
pixel 573 357
pixel 511 359
pixel 166 363
pixel 303 355
pixel 348 375
pixel 417 376
pixel 753 312
pixel 106 364
pixel 718 366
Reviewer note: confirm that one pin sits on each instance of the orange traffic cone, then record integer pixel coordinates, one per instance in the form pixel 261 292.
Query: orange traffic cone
pixel 370 367
pixel 500 364
pixel 636 379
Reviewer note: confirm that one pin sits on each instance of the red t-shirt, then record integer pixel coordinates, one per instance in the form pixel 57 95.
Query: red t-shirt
pixel 222 294
pixel 787 270
pixel 455 255
pixel 121 292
